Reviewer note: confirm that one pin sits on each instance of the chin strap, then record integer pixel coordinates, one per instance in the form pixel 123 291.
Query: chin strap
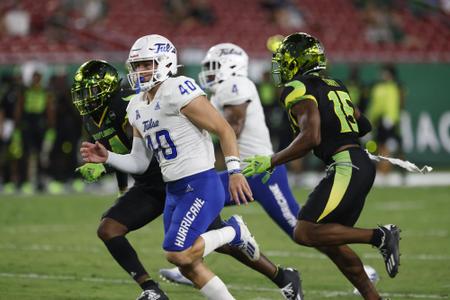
pixel 401 163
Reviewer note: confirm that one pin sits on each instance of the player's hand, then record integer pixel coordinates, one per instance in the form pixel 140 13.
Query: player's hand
pixel 93 153
pixel 91 172
pixel 258 164
pixel 239 189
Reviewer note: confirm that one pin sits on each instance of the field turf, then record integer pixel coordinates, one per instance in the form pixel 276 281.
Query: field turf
pixel 49 250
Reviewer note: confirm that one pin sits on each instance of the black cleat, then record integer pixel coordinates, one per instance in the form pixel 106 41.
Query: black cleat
pixel 153 293
pixel 291 289
pixel 390 248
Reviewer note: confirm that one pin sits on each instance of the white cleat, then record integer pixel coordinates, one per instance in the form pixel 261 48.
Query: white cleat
pixel 373 277
pixel 174 275
pixel 244 240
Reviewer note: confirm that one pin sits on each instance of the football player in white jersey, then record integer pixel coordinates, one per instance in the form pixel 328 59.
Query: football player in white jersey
pixel 171 118
pixel 224 74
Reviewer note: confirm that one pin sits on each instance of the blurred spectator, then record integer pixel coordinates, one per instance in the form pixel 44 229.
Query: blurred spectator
pixel 94 10
pixel 385 24
pixel 16 20
pixel 176 9
pixel 202 12
pixel 382 25
pixel 445 6
pixel 189 13
pixel 423 8
pixel 386 103
pixel 357 89
pixel 36 120
pixel 68 130
pixel 268 95
pixel 57 23
pixel 10 142
pixel 285 13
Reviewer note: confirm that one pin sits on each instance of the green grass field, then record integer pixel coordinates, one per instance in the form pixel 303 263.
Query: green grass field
pixel 49 250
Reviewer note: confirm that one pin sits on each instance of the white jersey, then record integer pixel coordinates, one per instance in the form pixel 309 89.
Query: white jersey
pixel 182 149
pixel 254 138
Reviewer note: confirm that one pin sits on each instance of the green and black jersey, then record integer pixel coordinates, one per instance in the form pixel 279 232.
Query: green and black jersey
pixel 338 124
pixel 109 127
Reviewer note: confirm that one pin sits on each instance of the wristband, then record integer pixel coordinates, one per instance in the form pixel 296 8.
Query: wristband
pixel 235 171
pixel 233 163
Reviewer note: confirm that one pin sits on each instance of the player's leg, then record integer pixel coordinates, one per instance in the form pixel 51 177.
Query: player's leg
pixel 212 287
pixel 274 196
pixel 287 279
pixel 42 163
pixel 136 208
pixel 335 205
pixel 27 142
pixel 351 266
pixel 187 215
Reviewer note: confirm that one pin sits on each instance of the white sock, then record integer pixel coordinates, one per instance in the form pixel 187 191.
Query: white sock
pixel 216 289
pixel 217 238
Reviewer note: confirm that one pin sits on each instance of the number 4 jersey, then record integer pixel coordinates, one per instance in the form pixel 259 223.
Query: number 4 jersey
pixel 181 148
pixel 337 121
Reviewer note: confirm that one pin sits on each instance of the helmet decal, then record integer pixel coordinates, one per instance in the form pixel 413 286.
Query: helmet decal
pixel 220 63
pixel 160 52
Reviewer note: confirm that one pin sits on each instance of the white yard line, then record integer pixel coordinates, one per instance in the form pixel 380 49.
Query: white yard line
pixel 271 253
pixel 326 294
pixel 276 253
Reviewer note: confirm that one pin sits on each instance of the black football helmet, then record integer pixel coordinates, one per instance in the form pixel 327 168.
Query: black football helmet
pixel 298 53
pixel 93 84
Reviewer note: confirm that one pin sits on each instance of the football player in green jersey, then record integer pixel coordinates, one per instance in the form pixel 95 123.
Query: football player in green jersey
pixel 324 120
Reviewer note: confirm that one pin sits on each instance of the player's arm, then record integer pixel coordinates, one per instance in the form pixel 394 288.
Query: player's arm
pixel 202 114
pixel 364 125
pixel 136 162
pixel 308 118
pixel 235 116
pixel 122 181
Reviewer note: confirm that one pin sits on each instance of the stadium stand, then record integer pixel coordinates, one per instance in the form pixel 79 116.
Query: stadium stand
pixel 60 33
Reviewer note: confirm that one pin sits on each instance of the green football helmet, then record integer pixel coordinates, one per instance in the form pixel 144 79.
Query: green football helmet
pixel 93 84
pixel 298 53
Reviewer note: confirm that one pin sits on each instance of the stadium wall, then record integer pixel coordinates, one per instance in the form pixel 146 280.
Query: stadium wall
pixel 425 125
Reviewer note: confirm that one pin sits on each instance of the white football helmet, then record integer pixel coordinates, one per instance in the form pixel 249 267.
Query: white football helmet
pixel 158 50
pixel 221 62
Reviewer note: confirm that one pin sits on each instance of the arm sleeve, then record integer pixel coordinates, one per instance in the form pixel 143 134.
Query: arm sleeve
pixel 136 162
pixel 363 125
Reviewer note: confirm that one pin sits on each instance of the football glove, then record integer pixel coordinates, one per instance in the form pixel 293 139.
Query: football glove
pixel 91 172
pixel 258 164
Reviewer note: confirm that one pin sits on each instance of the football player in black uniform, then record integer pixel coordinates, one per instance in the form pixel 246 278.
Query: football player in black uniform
pixel 102 104
pixel 97 96
pixel 324 120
